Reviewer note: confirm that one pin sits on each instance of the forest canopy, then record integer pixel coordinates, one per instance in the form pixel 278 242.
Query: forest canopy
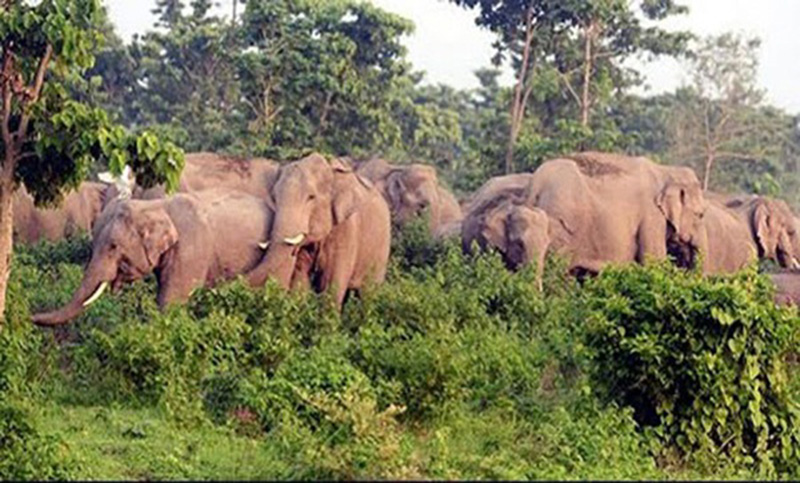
pixel 286 77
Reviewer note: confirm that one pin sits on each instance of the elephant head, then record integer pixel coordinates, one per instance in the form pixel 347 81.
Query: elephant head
pixel 311 197
pixel 683 206
pixel 129 240
pixel 775 231
pixel 411 190
pixel 520 233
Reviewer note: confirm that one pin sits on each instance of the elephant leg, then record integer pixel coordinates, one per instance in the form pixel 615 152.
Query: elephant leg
pixel 651 244
pixel 177 279
pixel 338 263
pixel 540 261
pixel 301 278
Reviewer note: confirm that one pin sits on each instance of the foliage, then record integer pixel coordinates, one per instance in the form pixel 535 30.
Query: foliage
pixel 701 361
pixel 26 454
pixel 412 378
pixel 57 138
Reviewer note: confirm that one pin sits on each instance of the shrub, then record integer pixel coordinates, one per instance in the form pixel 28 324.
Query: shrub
pixel 700 360
pixel 413 246
pixel 25 454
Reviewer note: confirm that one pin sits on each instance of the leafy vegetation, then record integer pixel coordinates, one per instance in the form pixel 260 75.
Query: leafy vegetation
pixel 455 368
pixel 49 140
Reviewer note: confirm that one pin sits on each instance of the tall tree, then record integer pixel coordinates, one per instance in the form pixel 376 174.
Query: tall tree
pixel 718 113
pixel 523 27
pixel 590 56
pixel 50 140
pixel 583 41
pixel 322 74
pixel 185 77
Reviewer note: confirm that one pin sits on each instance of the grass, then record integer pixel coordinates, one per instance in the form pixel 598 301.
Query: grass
pixel 146 444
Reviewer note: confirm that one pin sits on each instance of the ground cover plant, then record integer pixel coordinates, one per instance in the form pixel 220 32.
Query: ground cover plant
pixel 454 368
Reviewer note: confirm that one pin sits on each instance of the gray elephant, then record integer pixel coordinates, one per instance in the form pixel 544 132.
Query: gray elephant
pixel 190 240
pixel 510 185
pixel 411 189
pixel 331 223
pixel 607 208
pixel 741 229
pixel 518 232
pixel 76 213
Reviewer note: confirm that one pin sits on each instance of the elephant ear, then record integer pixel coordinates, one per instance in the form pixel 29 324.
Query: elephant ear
pixel 347 197
pixel 395 187
pixel 158 235
pixel 671 202
pixel 493 223
pixel 763 227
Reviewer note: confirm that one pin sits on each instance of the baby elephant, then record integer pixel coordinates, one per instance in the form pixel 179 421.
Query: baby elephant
pixel 520 233
pixel 190 240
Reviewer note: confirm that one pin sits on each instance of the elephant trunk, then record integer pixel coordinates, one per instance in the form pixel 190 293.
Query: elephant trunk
pixel 281 258
pixel 94 283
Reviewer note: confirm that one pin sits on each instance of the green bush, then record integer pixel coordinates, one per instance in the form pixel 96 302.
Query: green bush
pixel 453 368
pixel 26 454
pixel 700 360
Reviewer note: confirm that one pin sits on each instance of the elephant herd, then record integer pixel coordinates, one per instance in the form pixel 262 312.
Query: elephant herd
pixel 325 224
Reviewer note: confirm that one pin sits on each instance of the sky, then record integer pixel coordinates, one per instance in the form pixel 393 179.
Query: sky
pixel 449 47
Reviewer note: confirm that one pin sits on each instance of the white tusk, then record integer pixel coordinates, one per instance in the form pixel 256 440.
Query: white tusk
pixel 795 263
pixel 96 295
pixel 296 240
pixel 106 177
pixel 263 245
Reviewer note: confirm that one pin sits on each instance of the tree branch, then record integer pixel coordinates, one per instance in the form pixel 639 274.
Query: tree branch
pixel 571 89
pixel 5 78
pixel 34 92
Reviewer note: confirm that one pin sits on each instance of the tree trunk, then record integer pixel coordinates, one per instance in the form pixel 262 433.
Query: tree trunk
pixel 587 73
pixel 517 104
pixel 710 158
pixel 6 239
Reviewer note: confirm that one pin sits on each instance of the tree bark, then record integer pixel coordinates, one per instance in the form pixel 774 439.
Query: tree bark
pixel 517 111
pixel 587 72
pixel 710 158
pixel 6 239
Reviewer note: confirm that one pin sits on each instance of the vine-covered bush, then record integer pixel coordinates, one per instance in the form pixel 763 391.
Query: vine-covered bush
pixel 700 360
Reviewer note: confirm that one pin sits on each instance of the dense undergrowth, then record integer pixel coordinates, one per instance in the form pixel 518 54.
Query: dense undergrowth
pixel 455 368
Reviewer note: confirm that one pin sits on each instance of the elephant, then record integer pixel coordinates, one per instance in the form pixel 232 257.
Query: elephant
pixel 730 243
pixel 607 208
pixel 205 170
pixel 77 212
pixel 771 225
pixel 189 240
pixel 411 189
pixel 329 221
pixel 744 228
pixel 518 232
pixel 510 185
